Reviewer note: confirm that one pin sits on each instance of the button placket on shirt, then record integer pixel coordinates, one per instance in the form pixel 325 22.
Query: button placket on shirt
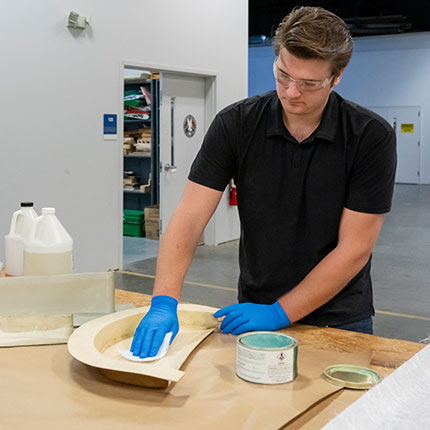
pixel 297 157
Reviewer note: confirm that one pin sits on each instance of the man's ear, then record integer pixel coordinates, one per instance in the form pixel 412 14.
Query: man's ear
pixel 337 79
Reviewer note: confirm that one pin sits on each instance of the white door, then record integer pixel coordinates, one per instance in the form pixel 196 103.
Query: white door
pixel 406 123
pixel 182 128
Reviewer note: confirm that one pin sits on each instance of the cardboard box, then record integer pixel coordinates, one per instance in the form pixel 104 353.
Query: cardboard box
pixel 152 222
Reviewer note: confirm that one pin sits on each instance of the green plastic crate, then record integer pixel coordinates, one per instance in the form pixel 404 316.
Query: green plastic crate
pixel 134 223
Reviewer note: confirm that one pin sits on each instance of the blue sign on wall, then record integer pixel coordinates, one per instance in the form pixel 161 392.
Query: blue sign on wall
pixel 110 126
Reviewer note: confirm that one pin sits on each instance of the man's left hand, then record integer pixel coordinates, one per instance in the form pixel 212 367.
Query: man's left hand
pixel 245 317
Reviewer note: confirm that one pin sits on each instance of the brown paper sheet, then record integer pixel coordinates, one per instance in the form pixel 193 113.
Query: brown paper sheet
pixel 324 411
pixel 45 388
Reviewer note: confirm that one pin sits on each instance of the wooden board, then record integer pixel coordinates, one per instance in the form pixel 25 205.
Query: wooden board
pixel 96 342
pixel 386 354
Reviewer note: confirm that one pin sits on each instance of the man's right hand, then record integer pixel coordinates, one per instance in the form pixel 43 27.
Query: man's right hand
pixel 161 319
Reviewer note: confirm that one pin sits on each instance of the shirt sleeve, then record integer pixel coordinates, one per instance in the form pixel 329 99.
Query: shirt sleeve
pixel 371 180
pixel 214 164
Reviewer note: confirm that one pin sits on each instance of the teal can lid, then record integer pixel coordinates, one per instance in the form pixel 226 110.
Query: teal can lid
pixel 267 340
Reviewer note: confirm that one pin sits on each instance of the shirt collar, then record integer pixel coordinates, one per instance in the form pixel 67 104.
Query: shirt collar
pixel 326 130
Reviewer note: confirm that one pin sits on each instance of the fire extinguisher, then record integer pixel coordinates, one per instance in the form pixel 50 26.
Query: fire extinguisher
pixel 233 194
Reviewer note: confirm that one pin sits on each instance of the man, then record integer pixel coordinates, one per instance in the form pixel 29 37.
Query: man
pixel 314 176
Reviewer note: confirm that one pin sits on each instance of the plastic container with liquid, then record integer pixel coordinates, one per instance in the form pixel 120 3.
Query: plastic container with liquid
pixel 20 229
pixel 49 250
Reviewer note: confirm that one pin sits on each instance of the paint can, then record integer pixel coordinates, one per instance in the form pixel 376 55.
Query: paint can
pixel 266 357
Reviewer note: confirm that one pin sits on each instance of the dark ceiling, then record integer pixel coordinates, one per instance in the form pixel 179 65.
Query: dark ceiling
pixel 364 17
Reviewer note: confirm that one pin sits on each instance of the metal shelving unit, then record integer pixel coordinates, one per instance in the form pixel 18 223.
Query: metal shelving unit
pixel 144 164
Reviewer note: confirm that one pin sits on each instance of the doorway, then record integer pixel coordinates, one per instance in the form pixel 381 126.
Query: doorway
pixel 407 125
pixel 141 97
pixel 182 106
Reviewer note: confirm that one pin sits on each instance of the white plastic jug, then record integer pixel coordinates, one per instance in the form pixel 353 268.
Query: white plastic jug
pixel 49 249
pixel 20 228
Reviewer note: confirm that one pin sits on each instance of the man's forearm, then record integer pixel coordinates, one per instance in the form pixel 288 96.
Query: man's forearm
pixel 181 237
pixel 322 283
pixel 176 253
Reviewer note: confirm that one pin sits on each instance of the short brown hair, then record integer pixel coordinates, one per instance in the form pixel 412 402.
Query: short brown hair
pixel 315 33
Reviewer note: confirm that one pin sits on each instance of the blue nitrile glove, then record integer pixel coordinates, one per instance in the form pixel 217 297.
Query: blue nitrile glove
pixel 245 317
pixel 161 319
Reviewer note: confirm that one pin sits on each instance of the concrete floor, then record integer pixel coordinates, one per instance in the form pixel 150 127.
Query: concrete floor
pixel 400 270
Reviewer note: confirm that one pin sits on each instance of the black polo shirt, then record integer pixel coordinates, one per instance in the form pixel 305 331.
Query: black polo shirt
pixel 291 195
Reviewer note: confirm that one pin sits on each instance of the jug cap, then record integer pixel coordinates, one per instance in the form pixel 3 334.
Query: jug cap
pixel 27 204
pixel 48 211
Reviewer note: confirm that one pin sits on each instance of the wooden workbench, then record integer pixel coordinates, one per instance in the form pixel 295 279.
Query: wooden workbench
pixel 386 355
pixel 44 387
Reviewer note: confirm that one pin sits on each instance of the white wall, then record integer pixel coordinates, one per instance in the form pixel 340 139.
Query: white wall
pixel 55 86
pixel 393 71
pixel 384 71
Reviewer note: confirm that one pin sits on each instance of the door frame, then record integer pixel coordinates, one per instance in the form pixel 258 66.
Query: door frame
pixel 210 77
